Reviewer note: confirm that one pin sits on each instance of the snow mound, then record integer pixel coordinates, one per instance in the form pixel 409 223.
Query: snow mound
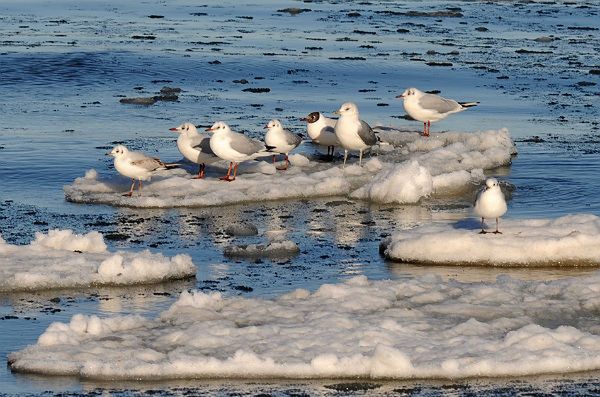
pixel 63 259
pixel 572 240
pixel 424 327
pixel 415 167
pixel 273 249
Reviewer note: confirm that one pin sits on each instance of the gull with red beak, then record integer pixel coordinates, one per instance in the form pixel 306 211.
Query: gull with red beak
pixel 281 140
pixel 233 147
pixel 429 108
pixel 195 147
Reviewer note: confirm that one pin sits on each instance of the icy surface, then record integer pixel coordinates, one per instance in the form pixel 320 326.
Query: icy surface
pixel 408 168
pixel 422 327
pixel 272 249
pixel 62 259
pixel 571 240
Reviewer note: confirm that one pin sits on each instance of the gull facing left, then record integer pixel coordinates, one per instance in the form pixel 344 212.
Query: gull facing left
pixel 490 203
pixel 136 165
pixel 283 141
pixel 352 132
pixel 195 147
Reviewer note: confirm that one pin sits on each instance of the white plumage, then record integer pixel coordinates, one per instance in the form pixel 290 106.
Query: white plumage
pixel 195 146
pixel 280 140
pixel 352 132
pixel 490 203
pixel 321 130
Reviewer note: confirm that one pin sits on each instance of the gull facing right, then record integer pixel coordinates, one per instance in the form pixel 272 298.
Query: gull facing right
pixel 429 108
pixel 352 132
pixel 490 203
pixel 282 141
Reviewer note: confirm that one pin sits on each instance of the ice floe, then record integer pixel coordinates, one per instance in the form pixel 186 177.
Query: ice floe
pixel 63 259
pixel 273 249
pixel 407 168
pixel 420 327
pixel 572 240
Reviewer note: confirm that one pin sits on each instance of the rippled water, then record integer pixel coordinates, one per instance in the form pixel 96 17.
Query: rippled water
pixel 65 66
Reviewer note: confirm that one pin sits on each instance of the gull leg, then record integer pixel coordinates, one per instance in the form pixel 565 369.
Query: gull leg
pixel 128 194
pixel 226 177
pixel 140 185
pixel 428 128
pixel 345 157
pixel 482 229
pixel 287 163
pixel 360 158
pixel 497 231
pixel 200 171
pixel 424 129
pixel 234 171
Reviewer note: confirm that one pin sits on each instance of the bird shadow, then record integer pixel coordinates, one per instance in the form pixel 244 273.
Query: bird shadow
pixel 467 224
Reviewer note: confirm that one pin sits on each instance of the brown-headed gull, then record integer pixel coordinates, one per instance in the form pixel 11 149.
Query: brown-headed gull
pixel 136 165
pixel 194 146
pixel 490 203
pixel 321 130
pixel 429 108
pixel 281 140
pixel 233 147
pixel 352 132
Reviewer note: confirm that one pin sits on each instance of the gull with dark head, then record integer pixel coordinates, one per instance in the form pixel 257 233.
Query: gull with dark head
pixel 281 140
pixel 195 147
pixel 352 132
pixel 321 130
pixel 233 147
pixel 490 203
pixel 136 165
pixel 429 108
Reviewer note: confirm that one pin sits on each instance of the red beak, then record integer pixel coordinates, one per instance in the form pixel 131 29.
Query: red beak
pixel 266 126
pixel 173 129
pixel 208 129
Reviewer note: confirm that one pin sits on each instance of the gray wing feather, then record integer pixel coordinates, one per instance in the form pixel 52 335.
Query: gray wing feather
pixel 292 139
pixel 202 143
pixel 437 103
pixel 241 143
pixel 366 134
pixel 148 163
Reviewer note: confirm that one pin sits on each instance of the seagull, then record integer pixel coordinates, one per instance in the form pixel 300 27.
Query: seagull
pixel 136 165
pixel 490 203
pixel 429 108
pixel 233 147
pixel 282 141
pixel 321 130
pixel 352 132
pixel 195 147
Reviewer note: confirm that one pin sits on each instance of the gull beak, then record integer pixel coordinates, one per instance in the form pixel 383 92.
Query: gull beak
pixel 209 129
pixel 174 129
pixel 107 154
pixel 266 126
pixel 303 119
pixel 400 96
pixel 336 112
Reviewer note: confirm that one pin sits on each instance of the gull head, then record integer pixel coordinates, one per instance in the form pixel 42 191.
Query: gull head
pixel 273 124
pixel 347 108
pixel 118 151
pixel 184 128
pixel 409 92
pixel 219 126
pixel 491 183
pixel 312 117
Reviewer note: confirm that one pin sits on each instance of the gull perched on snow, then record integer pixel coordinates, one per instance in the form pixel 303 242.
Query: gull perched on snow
pixel 233 147
pixel 195 147
pixel 282 141
pixel 490 203
pixel 352 132
pixel 321 130
pixel 429 108
pixel 136 165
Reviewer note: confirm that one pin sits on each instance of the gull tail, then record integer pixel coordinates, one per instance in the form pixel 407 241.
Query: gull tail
pixel 169 166
pixel 269 148
pixel 468 104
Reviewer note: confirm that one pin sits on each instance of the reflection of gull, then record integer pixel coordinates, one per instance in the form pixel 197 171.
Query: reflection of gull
pixel 281 140
pixel 490 203
pixel 321 130
pixel 136 165
pixel 194 146
pixel 430 107
pixel 233 147
pixel 352 132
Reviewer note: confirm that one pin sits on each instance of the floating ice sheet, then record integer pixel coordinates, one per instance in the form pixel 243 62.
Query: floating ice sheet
pixel 407 169
pixel 422 327
pixel 62 259
pixel 572 240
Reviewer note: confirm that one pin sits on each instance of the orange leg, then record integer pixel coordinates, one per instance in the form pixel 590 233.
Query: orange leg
pixel 226 177
pixel 128 194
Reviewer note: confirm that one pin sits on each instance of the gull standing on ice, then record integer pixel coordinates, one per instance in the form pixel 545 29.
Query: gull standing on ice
pixel 283 141
pixel 233 147
pixel 195 147
pixel 490 203
pixel 352 132
pixel 321 130
pixel 136 165
pixel 429 108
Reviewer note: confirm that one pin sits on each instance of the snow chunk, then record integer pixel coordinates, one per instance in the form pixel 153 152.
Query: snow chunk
pixel 572 240
pixel 283 248
pixel 424 327
pixel 62 259
pixel 241 229
pixel 408 168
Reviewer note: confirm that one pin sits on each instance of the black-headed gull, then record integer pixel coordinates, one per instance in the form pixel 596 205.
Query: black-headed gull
pixel 490 203
pixel 195 147
pixel 352 132
pixel 233 147
pixel 429 108
pixel 136 165
pixel 321 130
pixel 281 140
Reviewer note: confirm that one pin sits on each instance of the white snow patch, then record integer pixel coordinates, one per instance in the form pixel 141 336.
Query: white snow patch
pixel 572 240
pixel 63 259
pixel 423 327
pixel 417 167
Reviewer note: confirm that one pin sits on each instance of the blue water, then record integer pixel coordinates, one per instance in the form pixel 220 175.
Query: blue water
pixel 64 67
